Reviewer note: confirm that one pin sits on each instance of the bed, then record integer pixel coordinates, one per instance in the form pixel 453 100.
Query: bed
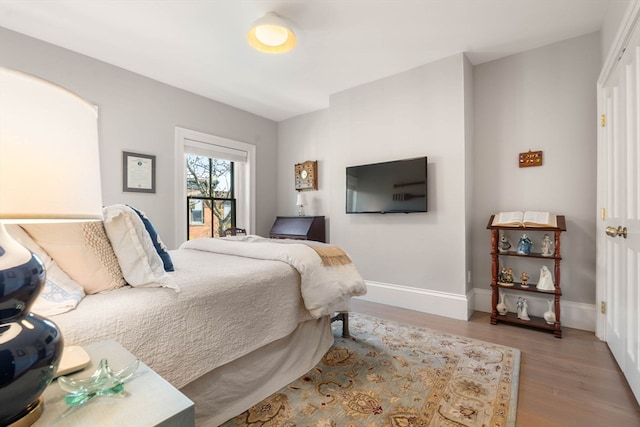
pixel 237 318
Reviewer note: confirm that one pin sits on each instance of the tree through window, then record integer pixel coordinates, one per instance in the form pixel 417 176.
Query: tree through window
pixel 211 202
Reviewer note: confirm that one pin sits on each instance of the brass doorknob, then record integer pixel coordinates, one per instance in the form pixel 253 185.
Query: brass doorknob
pixel 613 231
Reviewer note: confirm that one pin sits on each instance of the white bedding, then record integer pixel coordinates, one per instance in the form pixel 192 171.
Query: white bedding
pixel 328 277
pixel 231 389
pixel 183 335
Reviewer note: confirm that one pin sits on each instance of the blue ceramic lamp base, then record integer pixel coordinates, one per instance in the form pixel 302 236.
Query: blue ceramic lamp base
pixel 30 346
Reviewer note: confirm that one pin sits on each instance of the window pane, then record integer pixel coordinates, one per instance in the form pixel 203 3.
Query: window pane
pixel 198 175
pixel 222 216
pixel 213 223
pixel 222 175
pixel 199 210
pixel 196 212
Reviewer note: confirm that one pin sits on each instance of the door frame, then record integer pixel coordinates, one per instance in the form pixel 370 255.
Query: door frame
pixel 625 30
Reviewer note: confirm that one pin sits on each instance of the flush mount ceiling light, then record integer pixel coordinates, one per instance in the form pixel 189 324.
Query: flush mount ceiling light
pixel 271 34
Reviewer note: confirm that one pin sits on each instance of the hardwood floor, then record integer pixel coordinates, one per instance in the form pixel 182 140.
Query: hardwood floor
pixel 573 381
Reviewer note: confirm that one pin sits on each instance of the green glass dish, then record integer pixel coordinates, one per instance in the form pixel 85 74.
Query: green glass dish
pixel 103 382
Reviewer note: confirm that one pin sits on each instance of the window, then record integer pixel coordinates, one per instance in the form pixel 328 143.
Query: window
pixel 211 200
pixel 223 189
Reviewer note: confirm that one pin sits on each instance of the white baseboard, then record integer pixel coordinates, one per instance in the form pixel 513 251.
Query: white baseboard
pixel 574 314
pixel 427 301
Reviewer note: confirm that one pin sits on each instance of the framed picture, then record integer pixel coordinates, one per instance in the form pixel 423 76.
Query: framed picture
pixel 138 172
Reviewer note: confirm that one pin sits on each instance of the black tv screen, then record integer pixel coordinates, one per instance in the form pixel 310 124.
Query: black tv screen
pixel 398 186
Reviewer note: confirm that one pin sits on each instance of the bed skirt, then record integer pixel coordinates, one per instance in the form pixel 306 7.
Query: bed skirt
pixel 231 389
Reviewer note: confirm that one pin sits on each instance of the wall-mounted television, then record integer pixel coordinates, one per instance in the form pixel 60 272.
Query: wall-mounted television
pixel 398 186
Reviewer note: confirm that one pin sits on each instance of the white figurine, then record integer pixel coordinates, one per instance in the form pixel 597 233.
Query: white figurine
pixel 549 316
pixel 504 245
pixel 523 314
pixel 547 246
pixel 501 307
pixel 519 307
pixel 546 281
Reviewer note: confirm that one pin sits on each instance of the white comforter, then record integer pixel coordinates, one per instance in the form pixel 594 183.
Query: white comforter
pixel 227 307
pixel 328 277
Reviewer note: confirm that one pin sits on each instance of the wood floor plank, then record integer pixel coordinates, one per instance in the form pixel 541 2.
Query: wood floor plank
pixel 573 381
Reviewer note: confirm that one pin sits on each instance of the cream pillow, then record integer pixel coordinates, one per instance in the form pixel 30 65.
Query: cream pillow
pixel 83 251
pixel 140 262
pixel 60 293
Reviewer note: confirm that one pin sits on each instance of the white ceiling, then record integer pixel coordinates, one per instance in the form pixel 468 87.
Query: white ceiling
pixel 199 45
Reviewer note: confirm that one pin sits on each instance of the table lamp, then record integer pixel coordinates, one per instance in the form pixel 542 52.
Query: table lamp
pixel 301 201
pixel 49 172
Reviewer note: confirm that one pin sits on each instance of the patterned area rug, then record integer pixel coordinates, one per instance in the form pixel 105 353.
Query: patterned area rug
pixel 389 374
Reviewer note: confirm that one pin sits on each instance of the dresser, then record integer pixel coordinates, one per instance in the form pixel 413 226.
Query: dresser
pixel 299 228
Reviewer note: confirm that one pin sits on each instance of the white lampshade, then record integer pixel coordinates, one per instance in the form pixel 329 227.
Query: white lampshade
pixel 49 171
pixel 301 200
pixel 271 34
pixel 49 156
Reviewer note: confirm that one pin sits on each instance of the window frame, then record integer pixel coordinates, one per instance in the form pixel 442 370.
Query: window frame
pixel 244 177
pixel 211 198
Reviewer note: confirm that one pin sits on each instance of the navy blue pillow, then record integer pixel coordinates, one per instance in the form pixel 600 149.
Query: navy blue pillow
pixel 155 238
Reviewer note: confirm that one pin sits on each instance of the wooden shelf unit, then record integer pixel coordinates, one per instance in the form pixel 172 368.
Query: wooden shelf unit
pixel 535 322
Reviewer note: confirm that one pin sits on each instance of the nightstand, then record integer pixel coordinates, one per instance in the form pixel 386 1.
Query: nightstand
pixel 149 399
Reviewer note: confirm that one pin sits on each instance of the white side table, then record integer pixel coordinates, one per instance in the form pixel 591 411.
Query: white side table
pixel 149 399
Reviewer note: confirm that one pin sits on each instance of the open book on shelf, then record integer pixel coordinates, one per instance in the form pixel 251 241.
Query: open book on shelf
pixel 525 219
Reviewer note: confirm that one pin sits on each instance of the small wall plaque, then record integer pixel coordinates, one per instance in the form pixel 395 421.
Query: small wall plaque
pixel 530 158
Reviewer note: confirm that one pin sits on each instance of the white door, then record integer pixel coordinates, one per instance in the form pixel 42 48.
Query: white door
pixel 618 242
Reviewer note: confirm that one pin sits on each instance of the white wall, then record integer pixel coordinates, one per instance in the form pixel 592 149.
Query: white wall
pixel 140 115
pixel 611 26
pixel 469 123
pixel 413 260
pixel 306 137
pixel 542 99
pixel 472 122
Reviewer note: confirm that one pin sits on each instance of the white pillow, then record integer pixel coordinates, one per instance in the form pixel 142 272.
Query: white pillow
pixel 140 263
pixel 60 293
pixel 83 251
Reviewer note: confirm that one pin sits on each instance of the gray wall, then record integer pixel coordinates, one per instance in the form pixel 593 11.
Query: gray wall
pixel 542 99
pixel 472 122
pixel 416 260
pixel 140 115
pixel 615 12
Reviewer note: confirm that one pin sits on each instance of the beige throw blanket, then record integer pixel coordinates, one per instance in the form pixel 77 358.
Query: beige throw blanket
pixel 327 275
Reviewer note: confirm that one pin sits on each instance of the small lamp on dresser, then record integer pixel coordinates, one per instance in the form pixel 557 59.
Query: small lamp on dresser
pixel 301 201
pixel 49 172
